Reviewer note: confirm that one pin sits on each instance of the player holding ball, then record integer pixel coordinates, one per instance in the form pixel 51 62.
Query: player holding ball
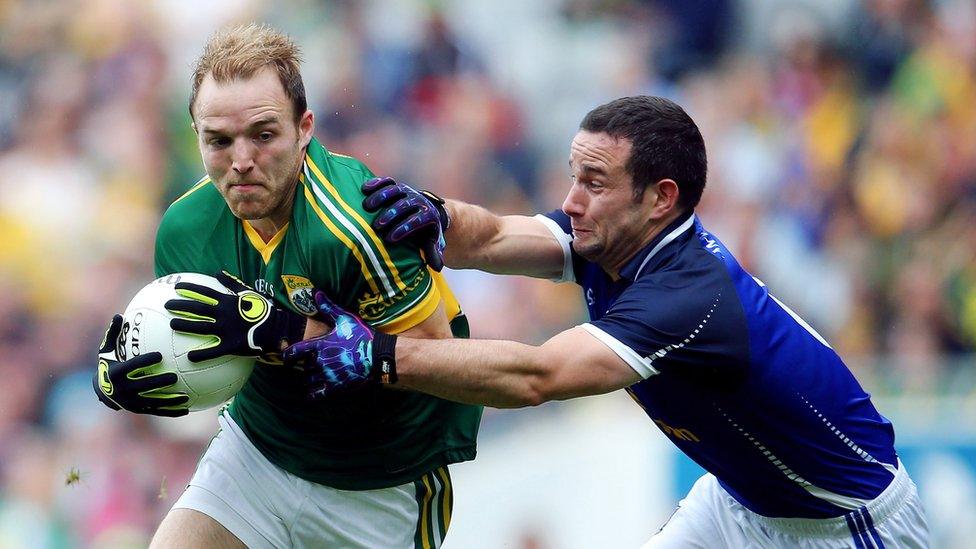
pixel 282 214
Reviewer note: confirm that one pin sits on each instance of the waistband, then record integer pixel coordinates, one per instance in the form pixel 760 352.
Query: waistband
pixel 878 510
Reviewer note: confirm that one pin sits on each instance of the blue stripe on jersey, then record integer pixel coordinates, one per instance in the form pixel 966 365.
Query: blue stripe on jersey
pixel 738 381
pixel 855 531
pixel 870 524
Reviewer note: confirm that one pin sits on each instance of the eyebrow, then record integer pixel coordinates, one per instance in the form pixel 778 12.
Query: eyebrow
pixel 266 121
pixel 591 170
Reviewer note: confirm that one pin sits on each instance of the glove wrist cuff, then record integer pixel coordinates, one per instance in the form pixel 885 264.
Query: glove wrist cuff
pixel 438 203
pixel 283 327
pixel 384 358
pixel 101 394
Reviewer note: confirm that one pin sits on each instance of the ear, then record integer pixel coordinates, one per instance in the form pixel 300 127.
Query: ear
pixel 664 201
pixel 306 125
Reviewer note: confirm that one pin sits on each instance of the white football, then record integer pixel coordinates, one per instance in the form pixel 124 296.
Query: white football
pixel 145 328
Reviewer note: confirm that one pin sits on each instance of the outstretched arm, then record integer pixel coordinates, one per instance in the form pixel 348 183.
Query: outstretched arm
pixel 503 374
pixel 511 244
pixel 507 374
pixel 463 235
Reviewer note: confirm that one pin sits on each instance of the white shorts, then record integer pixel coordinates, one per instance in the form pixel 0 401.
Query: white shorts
pixel 709 517
pixel 266 506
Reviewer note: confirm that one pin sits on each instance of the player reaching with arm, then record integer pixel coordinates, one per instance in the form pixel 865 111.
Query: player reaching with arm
pixel 281 214
pixel 795 451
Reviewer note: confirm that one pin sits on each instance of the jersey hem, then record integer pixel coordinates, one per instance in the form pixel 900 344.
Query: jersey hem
pixel 415 314
pixel 366 480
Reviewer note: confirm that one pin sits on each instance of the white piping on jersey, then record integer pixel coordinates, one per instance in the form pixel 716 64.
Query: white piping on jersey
pixel 672 347
pixel 565 241
pixel 664 242
pixel 863 454
pixel 638 363
pixel 795 316
pixel 844 502
pixel 353 230
pixel 644 365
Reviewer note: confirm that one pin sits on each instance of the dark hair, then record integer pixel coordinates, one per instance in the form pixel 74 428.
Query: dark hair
pixel 666 143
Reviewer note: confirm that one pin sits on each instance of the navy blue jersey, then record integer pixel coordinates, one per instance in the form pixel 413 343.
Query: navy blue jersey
pixel 736 379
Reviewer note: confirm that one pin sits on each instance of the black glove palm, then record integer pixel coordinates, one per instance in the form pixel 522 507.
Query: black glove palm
pixel 129 385
pixel 244 323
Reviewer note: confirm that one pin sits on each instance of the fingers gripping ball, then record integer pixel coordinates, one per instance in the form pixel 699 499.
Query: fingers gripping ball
pixel 146 328
pixel 133 384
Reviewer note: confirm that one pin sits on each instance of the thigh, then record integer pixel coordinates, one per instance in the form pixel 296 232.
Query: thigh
pixel 415 514
pixel 236 486
pixel 189 529
pixel 907 527
pixel 692 525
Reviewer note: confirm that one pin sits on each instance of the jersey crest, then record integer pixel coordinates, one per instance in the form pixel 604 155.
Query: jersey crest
pixel 300 293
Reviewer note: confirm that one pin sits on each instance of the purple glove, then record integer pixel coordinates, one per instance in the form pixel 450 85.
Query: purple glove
pixel 349 357
pixel 418 216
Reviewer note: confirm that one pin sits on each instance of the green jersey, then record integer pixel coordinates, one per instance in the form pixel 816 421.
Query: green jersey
pixel 373 438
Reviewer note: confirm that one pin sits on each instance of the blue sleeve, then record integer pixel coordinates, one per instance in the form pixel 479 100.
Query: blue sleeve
pixel 559 223
pixel 663 322
pixel 561 219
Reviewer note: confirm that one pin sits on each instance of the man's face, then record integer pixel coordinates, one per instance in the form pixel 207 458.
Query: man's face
pixel 608 223
pixel 251 146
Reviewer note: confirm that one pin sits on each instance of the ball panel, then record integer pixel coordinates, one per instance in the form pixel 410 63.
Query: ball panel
pixel 146 328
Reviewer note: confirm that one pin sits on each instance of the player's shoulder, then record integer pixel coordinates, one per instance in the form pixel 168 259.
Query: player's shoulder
pixel 343 172
pixel 200 206
pixel 201 199
pixel 694 282
pixel 332 199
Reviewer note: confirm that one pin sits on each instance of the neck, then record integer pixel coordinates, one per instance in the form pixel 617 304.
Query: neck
pixel 613 263
pixel 268 226
pixel 265 227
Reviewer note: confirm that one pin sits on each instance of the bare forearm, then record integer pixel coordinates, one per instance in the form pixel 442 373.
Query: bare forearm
pixel 511 244
pixel 472 229
pixel 503 374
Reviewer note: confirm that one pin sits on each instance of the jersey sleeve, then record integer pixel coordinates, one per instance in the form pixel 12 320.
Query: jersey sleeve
pixel 659 324
pixel 558 224
pixel 185 236
pixel 389 286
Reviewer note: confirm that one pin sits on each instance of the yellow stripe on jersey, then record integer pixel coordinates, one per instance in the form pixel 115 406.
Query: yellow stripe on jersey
pixel 264 248
pixel 446 499
pixel 342 237
pixel 348 225
pixel 439 292
pixel 196 186
pixel 452 307
pixel 413 314
pixel 359 219
pixel 427 526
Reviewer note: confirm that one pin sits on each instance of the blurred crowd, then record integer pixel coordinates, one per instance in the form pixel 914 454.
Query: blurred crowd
pixel 841 137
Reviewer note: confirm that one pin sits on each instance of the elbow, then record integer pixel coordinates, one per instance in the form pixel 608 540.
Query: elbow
pixel 542 380
pixel 524 394
pixel 531 398
pixel 538 390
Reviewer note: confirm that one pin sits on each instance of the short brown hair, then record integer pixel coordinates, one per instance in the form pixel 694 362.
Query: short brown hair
pixel 241 51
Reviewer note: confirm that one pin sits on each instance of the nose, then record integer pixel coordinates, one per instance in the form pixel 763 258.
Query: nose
pixel 242 156
pixel 573 205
